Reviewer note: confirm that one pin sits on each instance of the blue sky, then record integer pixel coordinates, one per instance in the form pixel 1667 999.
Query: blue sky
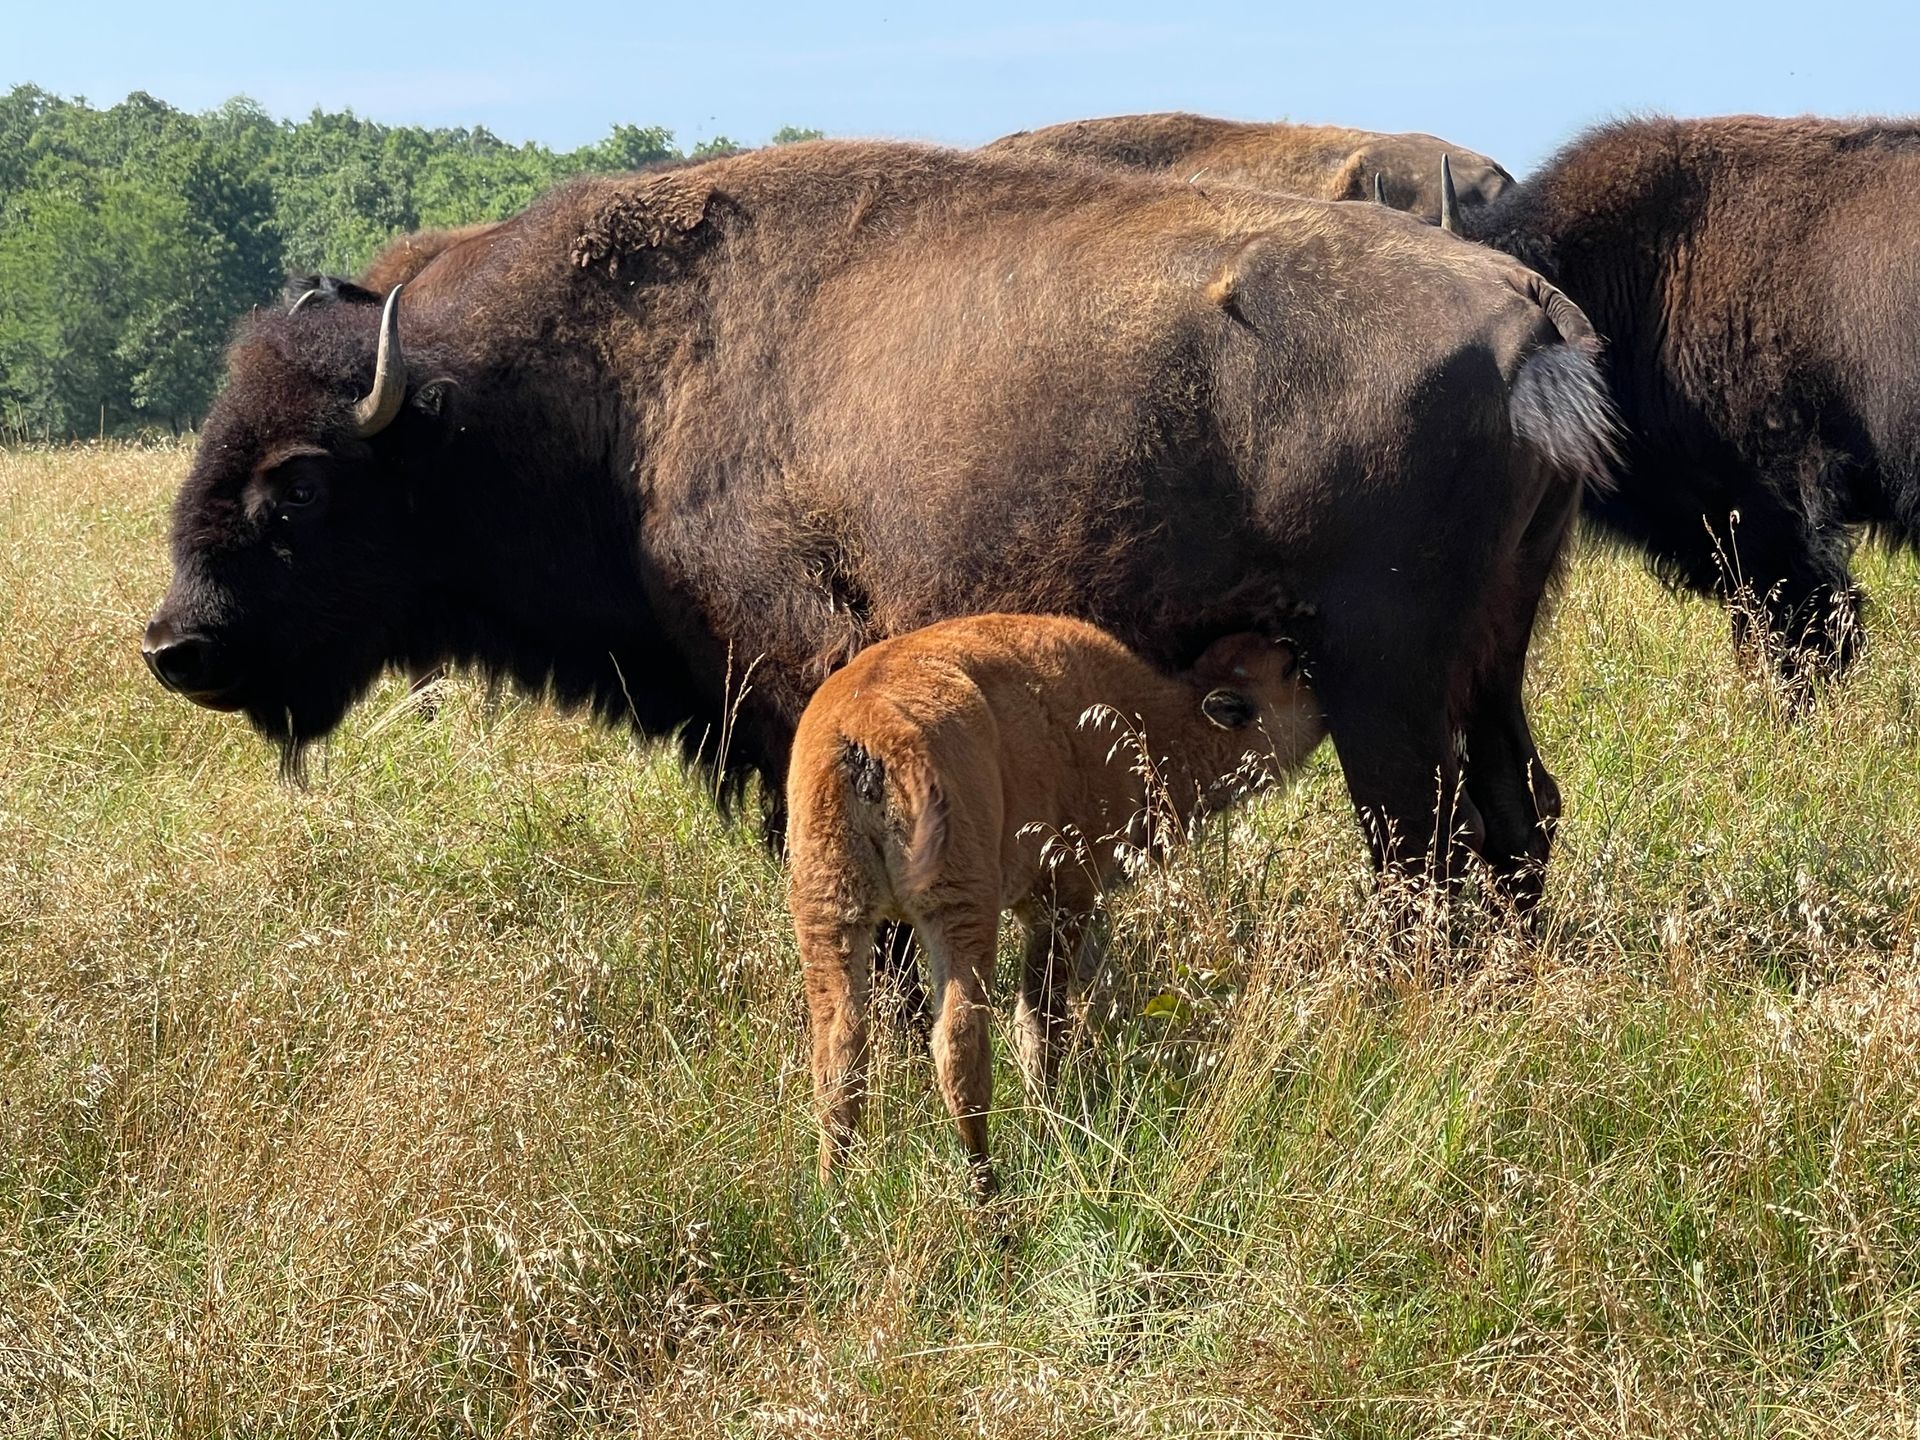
pixel 1513 81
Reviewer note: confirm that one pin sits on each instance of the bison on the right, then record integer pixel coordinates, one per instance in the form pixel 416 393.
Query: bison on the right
pixel 1754 279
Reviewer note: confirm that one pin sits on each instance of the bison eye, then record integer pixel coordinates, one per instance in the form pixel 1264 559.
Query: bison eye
pixel 301 492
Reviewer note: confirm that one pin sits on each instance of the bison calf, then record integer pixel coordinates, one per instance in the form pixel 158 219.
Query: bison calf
pixel 965 769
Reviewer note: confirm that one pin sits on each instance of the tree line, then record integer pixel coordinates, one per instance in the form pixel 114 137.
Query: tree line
pixel 131 237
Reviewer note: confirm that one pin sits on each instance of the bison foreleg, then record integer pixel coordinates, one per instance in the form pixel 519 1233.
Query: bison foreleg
pixel 896 971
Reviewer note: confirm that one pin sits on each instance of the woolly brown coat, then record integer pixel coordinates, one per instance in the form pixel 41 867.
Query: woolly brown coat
pixel 1329 162
pixel 1001 763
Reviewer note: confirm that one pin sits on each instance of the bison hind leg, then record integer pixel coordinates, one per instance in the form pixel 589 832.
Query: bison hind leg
pixel 960 936
pixel 834 955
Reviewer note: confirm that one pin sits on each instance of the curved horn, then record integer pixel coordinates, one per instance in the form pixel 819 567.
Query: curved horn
pixel 306 297
pixel 1449 201
pixel 1379 192
pixel 379 405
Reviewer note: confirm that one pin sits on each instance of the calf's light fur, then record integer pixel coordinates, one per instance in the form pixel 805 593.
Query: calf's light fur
pixel 950 774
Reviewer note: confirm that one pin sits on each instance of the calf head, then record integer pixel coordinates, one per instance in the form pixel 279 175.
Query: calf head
pixel 1252 683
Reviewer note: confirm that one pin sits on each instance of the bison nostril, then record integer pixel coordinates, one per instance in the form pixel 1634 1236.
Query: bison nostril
pixel 177 661
pixel 157 636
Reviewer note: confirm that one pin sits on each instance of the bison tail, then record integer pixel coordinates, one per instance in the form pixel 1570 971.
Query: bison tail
pixel 1561 408
pixel 927 848
pixel 1560 402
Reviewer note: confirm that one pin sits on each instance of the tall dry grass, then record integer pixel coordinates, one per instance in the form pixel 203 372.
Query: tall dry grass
pixel 462 1091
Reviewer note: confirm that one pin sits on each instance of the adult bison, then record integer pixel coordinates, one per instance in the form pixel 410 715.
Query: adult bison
pixel 675 446
pixel 1329 162
pixel 1752 277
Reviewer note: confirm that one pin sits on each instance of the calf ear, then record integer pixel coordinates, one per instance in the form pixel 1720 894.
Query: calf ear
pixel 1229 709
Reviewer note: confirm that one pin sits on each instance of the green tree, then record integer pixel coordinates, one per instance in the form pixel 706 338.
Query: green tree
pixel 132 237
pixel 62 291
pixel 627 147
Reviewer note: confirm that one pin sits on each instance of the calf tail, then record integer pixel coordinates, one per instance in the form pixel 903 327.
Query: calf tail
pixel 927 849
pixel 1560 405
pixel 917 798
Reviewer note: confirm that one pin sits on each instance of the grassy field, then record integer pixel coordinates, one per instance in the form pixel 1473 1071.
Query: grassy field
pixel 462 1091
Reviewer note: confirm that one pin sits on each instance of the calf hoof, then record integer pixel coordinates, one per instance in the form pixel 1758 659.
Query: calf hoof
pixel 833 1158
pixel 983 1184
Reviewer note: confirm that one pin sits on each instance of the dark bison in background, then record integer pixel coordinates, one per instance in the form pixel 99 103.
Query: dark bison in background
pixel 1756 282
pixel 1328 162
pixel 666 444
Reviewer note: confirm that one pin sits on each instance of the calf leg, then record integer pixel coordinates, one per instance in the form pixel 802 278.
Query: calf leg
pixel 834 956
pixel 1054 939
pixel 959 940
pixel 896 968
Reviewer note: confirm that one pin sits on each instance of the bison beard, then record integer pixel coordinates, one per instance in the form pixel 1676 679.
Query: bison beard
pixel 711 432
pixel 1751 276
pixel 298 709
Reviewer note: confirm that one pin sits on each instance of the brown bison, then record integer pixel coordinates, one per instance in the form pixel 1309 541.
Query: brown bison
pixel 1329 162
pixel 1752 277
pixel 676 446
pixel 974 767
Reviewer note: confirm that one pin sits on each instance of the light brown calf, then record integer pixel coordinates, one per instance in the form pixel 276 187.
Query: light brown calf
pixel 955 772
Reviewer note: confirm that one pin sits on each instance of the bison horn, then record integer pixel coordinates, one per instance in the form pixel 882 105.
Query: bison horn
pixel 1449 201
pixel 379 405
pixel 307 297
pixel 1379 190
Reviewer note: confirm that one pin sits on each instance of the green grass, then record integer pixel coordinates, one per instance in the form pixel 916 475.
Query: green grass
pixel 463 1090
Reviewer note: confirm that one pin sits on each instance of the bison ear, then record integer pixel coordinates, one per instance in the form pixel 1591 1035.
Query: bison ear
pixel 644 221
pixel 1229 709
pixel 431 398
pixel 304 290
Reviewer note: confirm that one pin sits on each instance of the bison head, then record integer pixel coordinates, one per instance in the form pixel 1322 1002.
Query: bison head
pixel 293 534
